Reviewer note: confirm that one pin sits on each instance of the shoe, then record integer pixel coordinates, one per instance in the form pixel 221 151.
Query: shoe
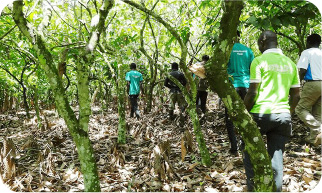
pixel 171 115
pixel 234 152
pixel 313 133
pixel 137 113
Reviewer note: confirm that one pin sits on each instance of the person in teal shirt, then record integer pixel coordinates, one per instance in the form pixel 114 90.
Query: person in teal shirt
pixel 134 84
pixel 238 69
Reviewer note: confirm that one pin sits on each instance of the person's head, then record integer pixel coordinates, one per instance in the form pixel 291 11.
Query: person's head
pixel 174 66
pixel 313 40
pixel 132 66
pixel 238 34
pixel 267 40
pixel 205 58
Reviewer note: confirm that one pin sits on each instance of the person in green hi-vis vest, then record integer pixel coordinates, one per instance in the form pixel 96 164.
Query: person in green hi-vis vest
pixel 134 84
pixel 238 68
pixel 273 94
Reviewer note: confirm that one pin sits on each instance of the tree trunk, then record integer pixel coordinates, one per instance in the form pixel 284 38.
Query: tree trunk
pixel 77 128
pixel 120 87
pixel 36 105
pixel 149 97
pixel 205 157
pixel 97 90
pixel 11 101
pixel 1 98
pixel 217 76
pixel 6 100
pixel 190 98
pixel 25 102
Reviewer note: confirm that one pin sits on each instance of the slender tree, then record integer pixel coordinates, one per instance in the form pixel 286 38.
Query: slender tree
pixel 190 98
pixel 77 127
pixel 217 76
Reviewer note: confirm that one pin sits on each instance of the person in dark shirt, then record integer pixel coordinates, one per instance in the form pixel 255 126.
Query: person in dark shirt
pixel 176 95
pixel 202 89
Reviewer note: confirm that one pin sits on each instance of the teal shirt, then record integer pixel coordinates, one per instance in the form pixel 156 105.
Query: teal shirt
pixel 239 64
pixel 134 77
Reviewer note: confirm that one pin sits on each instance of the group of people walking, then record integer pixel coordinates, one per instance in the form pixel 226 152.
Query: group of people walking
pixel 270 87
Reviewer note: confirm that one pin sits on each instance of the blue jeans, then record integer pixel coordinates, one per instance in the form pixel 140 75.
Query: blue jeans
pixel 278 129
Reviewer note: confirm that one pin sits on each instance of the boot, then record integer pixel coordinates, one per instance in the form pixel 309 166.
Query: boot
pixel 171 115
pixel 182 119
pixel 317 140
pixel 137 113
pixel 312 136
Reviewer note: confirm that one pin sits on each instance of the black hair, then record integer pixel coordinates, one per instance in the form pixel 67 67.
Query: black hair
pixel 132 66
pixel 238 33
pixel 174 66
pixel 205 58
pixel 314 40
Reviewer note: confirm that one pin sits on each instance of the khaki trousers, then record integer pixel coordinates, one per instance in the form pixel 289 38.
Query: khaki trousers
pixel 309 107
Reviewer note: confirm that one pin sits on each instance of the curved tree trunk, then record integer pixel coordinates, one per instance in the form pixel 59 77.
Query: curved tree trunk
pixel 120 87
pixel 190 97
pixel 78 128
pixel 25 102
pixel 217 76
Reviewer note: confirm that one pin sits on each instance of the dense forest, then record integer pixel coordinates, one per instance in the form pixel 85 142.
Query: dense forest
pixel 65 111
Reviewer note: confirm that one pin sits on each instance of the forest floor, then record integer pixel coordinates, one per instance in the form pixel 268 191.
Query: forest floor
pixel 47 159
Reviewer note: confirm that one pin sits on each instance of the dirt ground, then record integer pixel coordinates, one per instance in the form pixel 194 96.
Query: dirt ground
pixel 46 159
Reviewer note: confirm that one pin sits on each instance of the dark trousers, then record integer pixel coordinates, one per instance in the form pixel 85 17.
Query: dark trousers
pixel 134 104
pixel 278 129
pixel 202 97
pixel 229 125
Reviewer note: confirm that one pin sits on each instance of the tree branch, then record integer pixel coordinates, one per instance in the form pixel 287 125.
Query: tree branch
pixel 10 30
pixel 171 29
pixel 290 38
pixel 99 27
pixel 87 9
pixel 60 16
pixel 13 76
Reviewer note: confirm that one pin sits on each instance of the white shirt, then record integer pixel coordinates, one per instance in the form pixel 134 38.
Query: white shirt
pixel 273 50
pixel 311 60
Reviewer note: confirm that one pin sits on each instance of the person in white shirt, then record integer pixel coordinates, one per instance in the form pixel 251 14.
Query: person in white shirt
pixel 309 106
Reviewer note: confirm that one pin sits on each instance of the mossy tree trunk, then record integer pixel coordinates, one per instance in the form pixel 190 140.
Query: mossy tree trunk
pixel 190 97
pixel 121 93
pixel 77 127
pixel 217 76
pixel 152 64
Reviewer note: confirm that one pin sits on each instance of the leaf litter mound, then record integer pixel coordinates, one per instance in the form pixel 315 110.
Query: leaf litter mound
pixel 160 154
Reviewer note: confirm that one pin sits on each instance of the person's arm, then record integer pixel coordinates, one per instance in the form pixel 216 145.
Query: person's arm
pixel 303 64
pixel 294 98
pixel 302 73
pixel 184 80
pixel 190 62
pixel 127 78
pixel 251 95
pixel 166 82
pixel 128 87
